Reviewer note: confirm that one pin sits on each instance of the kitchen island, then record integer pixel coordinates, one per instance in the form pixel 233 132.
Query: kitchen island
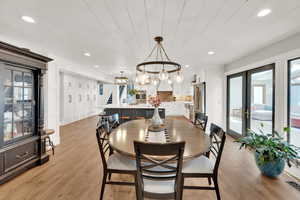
pixel 131 112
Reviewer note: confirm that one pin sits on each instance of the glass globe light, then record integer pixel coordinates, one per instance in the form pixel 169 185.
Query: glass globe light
pixel 170 81
pixel 179 77
pixel 163 75
pixel 155 81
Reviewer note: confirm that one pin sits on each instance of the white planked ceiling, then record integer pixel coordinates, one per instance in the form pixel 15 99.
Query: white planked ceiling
pixel 118 33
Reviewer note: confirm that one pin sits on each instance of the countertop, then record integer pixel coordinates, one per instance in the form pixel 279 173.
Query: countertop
pixel 143 106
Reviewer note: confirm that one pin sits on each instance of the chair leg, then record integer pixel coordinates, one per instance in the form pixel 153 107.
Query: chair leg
pixel 52 146
pixel 109 176
pixel 217 187
pixel 137 189
pixel 209 180
pixel 181 189
pixel 103 185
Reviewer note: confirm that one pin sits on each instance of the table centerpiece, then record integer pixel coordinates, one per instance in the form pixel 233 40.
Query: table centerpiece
pixel 156 121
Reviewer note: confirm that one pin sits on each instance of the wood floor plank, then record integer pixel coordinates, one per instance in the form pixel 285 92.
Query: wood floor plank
pixel 74 173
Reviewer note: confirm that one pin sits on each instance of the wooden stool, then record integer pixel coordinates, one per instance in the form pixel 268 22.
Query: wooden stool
pixel 49 132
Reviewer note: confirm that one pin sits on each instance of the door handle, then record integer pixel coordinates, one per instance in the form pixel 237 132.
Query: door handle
pixel 247 114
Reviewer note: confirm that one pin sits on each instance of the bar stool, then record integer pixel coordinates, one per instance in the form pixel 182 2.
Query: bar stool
pixel 49 132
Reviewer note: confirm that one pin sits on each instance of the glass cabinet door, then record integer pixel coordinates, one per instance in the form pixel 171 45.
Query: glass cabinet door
pixel 18 105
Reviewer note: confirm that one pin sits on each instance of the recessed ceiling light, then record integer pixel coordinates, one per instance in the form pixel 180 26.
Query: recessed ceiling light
pixel 186 66
pixel 87 54
pixel 264 12
pixel 28 19
pixel 96 66
pixel 210 53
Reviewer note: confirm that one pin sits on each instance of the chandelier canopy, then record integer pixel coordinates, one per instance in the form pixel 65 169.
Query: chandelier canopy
pixel 121 80
pixel 158 67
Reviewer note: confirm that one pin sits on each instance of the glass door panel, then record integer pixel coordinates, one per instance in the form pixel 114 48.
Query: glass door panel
pixel 17 111
pixel 236 117
pixel 261 100
pixel 250 101
pixel 7 128
pixel 294 102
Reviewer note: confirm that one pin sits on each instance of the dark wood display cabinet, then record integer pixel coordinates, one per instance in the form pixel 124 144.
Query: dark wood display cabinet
pixel 22 135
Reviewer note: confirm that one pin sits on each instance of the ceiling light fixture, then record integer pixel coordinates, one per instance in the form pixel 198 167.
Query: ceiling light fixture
pixel 87 54
pixel 158 64
pixel 96 66
pixel 264 12
pixel 121 80
pixel 28 19
pixel 210 53
pixel 186 66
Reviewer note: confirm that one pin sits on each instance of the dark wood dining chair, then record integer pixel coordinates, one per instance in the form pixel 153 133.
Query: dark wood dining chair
pixel 159 166
pixel 203 166
pixel 201 120
pixel 112 163
pixel 114 120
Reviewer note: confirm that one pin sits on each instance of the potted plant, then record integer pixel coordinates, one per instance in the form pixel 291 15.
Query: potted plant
pixel 271 152
pixel 132 92
pixel 132 97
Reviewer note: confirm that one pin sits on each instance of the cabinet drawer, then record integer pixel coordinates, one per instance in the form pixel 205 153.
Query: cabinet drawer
pixel 19 155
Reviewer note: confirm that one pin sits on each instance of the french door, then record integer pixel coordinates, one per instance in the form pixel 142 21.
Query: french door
pixel 250 101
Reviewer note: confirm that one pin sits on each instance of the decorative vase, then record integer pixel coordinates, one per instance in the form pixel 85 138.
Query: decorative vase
pixel 156 120
pixel 271 169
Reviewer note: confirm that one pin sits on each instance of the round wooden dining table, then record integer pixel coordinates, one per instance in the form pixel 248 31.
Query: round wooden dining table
pixel 178 128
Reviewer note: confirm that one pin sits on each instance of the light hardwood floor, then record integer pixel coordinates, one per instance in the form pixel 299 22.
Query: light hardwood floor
pixel 75 173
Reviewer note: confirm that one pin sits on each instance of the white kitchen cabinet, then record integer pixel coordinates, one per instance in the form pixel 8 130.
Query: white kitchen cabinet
pixel 175 108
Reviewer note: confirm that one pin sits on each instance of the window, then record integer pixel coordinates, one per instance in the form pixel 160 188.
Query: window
pixel 294 102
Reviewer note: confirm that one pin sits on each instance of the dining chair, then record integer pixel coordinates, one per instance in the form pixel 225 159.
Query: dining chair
pixel 201 120
pixel 112 163
pixel 114 120
pixel 203 166
pixel 159 166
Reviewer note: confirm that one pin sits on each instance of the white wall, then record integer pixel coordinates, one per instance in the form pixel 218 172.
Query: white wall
pixel 215 95
pixel 79 97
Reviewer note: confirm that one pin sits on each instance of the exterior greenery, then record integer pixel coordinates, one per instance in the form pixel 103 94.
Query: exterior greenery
pixel 269 147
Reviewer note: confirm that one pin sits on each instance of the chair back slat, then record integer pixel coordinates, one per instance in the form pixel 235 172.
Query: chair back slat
pixel 159 162
pixel 218 138
pixel 114 120
pixel 104 147
pixel 201 120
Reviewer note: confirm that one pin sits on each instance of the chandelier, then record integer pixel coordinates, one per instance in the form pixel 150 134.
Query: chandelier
pixel 158 67
pixel 121 80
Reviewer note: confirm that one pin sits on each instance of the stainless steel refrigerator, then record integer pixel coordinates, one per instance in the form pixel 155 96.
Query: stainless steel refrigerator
pixel 199 97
